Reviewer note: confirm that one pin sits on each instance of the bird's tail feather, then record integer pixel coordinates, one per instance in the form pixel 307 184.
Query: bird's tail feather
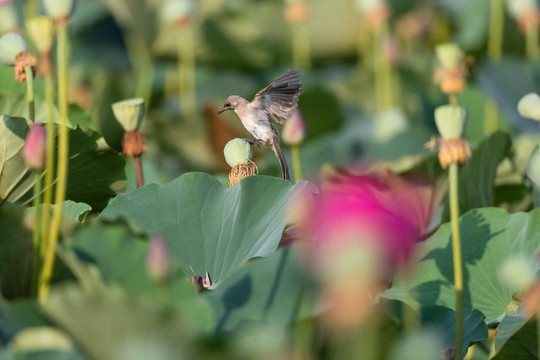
pixel 282 161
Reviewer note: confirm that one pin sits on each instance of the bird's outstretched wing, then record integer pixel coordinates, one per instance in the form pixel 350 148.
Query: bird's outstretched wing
pixel 280 98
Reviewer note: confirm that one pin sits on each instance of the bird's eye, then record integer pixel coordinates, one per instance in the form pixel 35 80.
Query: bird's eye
pixel 227 104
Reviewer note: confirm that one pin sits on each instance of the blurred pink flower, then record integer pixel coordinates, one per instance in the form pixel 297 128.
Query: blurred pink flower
pixel 3 2
pixel 157 259
pixel 294 130
pixel 34 148
pixel 382 212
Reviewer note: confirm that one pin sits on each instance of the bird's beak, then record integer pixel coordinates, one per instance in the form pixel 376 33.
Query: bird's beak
pixel 222 110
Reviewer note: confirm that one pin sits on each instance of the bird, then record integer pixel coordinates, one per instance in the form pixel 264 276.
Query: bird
pixel 278 102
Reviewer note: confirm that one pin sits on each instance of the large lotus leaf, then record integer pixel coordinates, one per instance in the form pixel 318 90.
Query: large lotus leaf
pixel 443 320
pixel 95 172
pixel 267 291
pixel 107 324
pixel 516 338
pixel 488 237
pixel 121 259
pixel 506 81
pixel 206 226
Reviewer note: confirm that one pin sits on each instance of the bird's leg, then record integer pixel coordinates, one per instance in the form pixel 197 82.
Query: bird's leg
pixel 257 142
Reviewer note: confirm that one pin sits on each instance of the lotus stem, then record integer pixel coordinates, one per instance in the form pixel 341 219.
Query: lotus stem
pixel 186 71
pixel 49 163
pixel 494 51
pixel 36 235
pixel 139 176
pixel 456 249
pixel 382 69
pixel 30 92
pixel 301 46
pixel 297 163
pixel 532 50
pixel 63 155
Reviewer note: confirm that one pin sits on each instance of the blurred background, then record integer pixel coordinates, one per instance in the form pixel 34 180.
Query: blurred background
pixel 367 68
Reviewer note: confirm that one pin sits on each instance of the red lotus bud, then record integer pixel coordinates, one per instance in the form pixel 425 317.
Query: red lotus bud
pixel 157 259
pixel 294 130
pixel 35 145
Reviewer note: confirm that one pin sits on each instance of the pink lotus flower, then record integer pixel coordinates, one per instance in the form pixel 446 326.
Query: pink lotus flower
pixel 158 261
pixel 384 213
pixel 4 2
pixel 35 147
pixel 294 130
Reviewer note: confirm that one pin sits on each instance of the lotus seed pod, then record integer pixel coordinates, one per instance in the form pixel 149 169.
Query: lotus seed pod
pixel 450 121
pixel 237 151
pixel 529 106
pixel 129 113
pixel 59 8
pixel 177 11
pixel 42 338
pixel 8 17
pixel 366 6
pixel 449 55
pixel 11 45
pixel 517 7
pixel 41 31
pixel 422 345
pixel 518 272
pixel 533 172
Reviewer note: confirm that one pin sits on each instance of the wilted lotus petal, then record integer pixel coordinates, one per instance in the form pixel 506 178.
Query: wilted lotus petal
pixel 158 262
pixel 35 147
pixel 294 130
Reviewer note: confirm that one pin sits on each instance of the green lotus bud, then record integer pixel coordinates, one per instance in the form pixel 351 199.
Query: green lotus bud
pixel 41 338
pixel 41 31
pixel 533 172
pixel 11 45
pixel 529 106
pixel 8 17
pixel 129 113
pixel 449 55
pixel 517 7
pixel 450 121
pixel 237 151
pixel 59 8
pixel 518 272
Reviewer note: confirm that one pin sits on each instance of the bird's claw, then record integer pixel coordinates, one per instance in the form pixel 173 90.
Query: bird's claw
pixel 257 142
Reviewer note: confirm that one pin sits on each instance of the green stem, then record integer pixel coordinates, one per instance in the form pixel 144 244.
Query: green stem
pixel 30 92
pixel 533 50
pixel 537 332
pixel 377 69
pixel 164 294
pixel 37 229
pixel 186 71
pixel 297 163
pixel 301 46
pixel 49 163
pixel 453 100
pixel 139 176
pixel 491 115
pixel 456 249
pixel 63 156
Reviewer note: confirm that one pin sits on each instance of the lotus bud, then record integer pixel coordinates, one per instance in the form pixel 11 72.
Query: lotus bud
pixel 518 272
pixel 517 7
pixel 11 45
pixel 294 130
pixel 450 121
pixel 237 151
pixel 449 55
pixel 129 113
pixel 177 12
pixel 59 9
pixel 8 17
pixel 35 146
pixel 533 172
pixel 41 31
pixel 529 106
pixel 158 261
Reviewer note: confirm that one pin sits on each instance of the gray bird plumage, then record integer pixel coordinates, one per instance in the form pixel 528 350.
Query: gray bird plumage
pixel 278 101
